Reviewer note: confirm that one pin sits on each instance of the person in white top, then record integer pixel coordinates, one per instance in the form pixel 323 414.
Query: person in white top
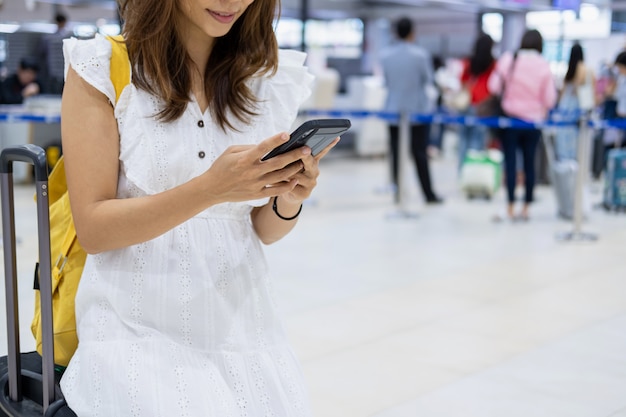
pixel 172 202
pixel 576 95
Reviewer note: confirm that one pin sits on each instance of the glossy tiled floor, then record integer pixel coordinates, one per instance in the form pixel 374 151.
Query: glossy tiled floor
pixel 449 314
pixel 444 314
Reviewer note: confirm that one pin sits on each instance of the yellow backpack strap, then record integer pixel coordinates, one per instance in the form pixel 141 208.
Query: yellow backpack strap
pixel 56 181
pixel 57 190
pixel 68 241
pixel 120 64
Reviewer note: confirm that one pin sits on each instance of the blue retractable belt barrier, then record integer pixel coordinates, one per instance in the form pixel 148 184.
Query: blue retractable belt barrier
pixel 555 119
pixel 9 117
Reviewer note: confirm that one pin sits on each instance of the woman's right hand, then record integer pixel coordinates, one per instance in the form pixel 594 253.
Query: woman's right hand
pixel 239 174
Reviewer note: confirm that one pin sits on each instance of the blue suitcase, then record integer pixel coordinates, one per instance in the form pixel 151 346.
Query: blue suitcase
pixel 615 180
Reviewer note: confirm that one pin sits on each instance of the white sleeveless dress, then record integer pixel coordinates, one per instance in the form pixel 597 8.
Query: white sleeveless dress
pixel 184 324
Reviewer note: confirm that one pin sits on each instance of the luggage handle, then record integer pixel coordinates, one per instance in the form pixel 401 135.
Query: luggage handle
pixel 30 153
pixel 36 156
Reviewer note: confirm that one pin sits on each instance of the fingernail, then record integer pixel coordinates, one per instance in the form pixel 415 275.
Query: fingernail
pixel 306 150
pixel 284 137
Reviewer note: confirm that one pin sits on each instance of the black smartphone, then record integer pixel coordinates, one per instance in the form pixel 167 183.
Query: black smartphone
pixel 316 134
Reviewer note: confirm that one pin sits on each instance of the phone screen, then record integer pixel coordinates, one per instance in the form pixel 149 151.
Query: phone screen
pixel 316 134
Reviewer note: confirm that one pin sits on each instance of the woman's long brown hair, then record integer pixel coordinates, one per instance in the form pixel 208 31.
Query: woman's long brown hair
pixel 162 66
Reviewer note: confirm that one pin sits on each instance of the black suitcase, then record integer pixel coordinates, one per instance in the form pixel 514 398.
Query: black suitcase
pixel 542 169
pixel 597 155
pixel 28 382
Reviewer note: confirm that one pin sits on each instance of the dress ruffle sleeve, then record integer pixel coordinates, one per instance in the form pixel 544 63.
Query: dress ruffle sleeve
pixel 281 96
pixel 287 89
pixel 91 59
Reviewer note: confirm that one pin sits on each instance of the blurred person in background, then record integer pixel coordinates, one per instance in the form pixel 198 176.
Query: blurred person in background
pixel 529 94
pixel 607 105
pixel 51 56
pixel 579 80
pixel 22 84
pixel 476 72
pixel 437 129
pixel 615 105
pixel 408 72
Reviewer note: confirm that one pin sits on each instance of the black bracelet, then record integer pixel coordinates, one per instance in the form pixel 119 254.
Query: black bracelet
pixel 275 208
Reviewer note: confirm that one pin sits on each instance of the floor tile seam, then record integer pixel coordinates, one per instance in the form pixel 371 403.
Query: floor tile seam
pixel 455 292
pixel 483 370
pixel 465 376
pixel 618 413
pixel 481 304
pixel 493 300
pixel 537 343
pixel 520 294
pixel 381 337
pixel 554 340
pixel 554 286
pixel 349 301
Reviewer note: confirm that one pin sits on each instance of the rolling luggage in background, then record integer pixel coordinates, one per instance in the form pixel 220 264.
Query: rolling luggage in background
pixel 28 382
pixel 564 182
pixel 543 176
pixel 615 180
pixel 597 155
pixel 481 173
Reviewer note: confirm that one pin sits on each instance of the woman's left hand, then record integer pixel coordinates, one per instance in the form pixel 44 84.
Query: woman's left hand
pixel 307 177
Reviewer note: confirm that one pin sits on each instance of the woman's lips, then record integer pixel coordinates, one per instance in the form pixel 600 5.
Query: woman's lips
pixel 222 17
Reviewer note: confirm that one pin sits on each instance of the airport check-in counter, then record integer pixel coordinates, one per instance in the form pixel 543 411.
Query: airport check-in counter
pixel 36 121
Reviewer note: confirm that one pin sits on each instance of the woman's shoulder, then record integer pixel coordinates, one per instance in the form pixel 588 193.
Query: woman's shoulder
pixel 291 74
pixel 283 92
pixel 291 66
pixel 91 60
pixel 533 61
pixel 583 73
pixel 92 49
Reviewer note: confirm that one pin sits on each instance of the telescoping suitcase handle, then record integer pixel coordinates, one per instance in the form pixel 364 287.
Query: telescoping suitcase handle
pixel 36 156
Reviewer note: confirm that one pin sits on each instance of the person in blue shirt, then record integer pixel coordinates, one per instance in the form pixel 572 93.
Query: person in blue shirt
pixel 408 71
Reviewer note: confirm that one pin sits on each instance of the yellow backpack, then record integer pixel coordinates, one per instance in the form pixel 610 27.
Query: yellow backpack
pixel 66 254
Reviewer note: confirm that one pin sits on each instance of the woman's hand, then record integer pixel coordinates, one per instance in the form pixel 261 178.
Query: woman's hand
pixel 271 226
pixel 239 174
pixel 31 89
pixel 306 177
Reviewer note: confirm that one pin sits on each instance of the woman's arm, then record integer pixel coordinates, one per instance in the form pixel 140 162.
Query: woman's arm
pixel 269 226
pixel 91 152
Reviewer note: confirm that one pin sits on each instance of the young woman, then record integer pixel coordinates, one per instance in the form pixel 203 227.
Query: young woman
pixel 578 80
pixel 529 93
pixel 476 72
pixel 171 200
